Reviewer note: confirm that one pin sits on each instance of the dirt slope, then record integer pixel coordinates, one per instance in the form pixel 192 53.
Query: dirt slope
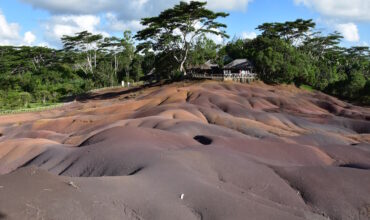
pixel 206 150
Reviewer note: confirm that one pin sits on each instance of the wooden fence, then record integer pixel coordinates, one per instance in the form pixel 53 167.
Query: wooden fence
pixel 226 77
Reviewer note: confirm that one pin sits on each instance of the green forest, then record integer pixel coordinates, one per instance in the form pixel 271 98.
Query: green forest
pixel 293 52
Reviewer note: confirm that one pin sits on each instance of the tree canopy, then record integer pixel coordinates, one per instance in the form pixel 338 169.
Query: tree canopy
pixel 178 38
pixel 175 30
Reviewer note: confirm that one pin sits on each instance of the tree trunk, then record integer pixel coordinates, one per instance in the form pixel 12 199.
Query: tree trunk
pixel 115 65
pixel 127 75
pixel 89 63
pixel 182 65
pixel 34 65
pixel 182 68
pixel 95 59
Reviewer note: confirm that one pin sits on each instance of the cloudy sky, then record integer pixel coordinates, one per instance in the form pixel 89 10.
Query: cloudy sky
pixel 43 22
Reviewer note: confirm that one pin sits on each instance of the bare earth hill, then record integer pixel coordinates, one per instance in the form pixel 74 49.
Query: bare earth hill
pixel 206 150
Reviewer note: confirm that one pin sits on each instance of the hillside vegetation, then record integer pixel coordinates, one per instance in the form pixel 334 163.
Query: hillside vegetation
pixel 290 52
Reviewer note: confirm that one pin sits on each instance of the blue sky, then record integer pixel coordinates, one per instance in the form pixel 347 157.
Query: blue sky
pixel 43 22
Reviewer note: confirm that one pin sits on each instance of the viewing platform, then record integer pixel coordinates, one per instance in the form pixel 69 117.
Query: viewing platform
pixel 226 77
pixel 240 70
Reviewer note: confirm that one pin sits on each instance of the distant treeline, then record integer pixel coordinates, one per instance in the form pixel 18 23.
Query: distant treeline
pixel 290 52
pixel 294 52
pixel 32 76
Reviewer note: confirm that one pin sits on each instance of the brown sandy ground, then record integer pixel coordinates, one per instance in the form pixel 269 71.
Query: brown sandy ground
pixel 230 151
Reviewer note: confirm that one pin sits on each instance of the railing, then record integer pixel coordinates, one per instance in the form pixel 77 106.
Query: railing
pixel 206 76
pixel 227 77
pixel 116 87
pixel 105 88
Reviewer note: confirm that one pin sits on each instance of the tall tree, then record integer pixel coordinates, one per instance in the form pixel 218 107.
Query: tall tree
pixel 236 49
pixel 174 30
pixel 113 47
pixel 204 50
pixel 291 31
pixel 86 43
pixel 128 53
pixel 136 68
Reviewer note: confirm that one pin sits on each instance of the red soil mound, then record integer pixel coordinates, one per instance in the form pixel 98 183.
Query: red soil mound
pixel 189 151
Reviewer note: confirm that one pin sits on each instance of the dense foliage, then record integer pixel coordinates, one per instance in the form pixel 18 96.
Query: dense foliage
pixel 173 32
pixel 294 52
pixel 34 76
pixel 290 52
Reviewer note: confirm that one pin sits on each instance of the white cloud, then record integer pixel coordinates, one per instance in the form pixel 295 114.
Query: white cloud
pixel 114 24
pixel 345 10
pixel 341 15
pixel 216 38
pixel 229 4
pixel 71 16
pixel 10 33
pixel 129 9
pixel 248 35
pixel 44 44
pixel 349 31
pixel 29 38
pixel 59 25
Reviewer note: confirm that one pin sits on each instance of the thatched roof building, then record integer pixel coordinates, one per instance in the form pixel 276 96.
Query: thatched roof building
pixel 239 65
pixel 207 67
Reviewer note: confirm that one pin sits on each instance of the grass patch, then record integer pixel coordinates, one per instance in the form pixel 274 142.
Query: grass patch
pixel 32 107
pixel 307 88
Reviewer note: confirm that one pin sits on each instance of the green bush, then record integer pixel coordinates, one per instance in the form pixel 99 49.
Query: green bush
pixel 355 84
pixel 365 100
pixel 25 99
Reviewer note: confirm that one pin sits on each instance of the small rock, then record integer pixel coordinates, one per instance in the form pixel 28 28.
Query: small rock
pixel 73 184
pixel 182 196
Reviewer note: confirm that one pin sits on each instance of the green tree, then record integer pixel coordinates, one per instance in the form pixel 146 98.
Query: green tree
pixel 275 60
pixel 292 32
pixel 136 68
pixel 86 44
pixel 203 50
pixel 128 53
pixel 237 49
pixel 174 30
pixel 112 47
pixel 25 98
